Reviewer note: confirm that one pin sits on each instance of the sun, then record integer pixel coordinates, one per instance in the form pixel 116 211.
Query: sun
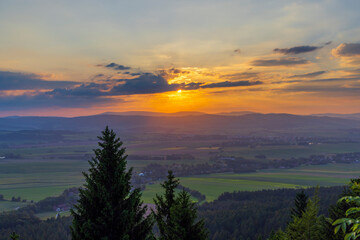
pixel 179 91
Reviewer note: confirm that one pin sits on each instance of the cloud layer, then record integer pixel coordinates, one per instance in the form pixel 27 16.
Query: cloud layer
pixel 308 75
pixel 279 62
pixel 75 94
pixel 26 81
pixel 296 50
pixel 116 66
pixel 347 50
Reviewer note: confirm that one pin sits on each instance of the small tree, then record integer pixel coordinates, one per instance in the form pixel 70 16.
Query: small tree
pixel 164 204
pixel 184 216
pixel 108 208
pixel 309 226
pixel 279 235
pixel 176 216
pixel 14 236
pixel 300 202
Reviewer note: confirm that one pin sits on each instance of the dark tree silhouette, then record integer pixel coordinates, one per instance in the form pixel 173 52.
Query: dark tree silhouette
pixel 176 214
pixel 184 216
pixel 300 202
pixel 108 208
pixel 14 236
pixel 164 204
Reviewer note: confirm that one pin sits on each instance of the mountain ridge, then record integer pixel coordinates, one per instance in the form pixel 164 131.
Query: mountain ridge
pixel 196 124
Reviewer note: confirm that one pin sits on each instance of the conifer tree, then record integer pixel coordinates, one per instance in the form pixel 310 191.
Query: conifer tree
pixel 14 236
pixel 309 226
pixel 301 200
pixel 108 209
pixel 164 204
pixel 176 214
pixel 184 217
pixel 279 235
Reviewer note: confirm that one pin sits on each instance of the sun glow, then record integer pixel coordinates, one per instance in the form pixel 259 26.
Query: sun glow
pixel 179 91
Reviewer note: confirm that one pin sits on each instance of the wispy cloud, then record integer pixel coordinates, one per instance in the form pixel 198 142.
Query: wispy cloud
pixel 296 50
pixel 231 84
pixel 289 61
pixel 24 81
pixel 324 90
pixel 347 50
pixel 237 51
pixel 308 75
pixel 172 72
pixel 115 66
pixel 241 75
pixel 50 100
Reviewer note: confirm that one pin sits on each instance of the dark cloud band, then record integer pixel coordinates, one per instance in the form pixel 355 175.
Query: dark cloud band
pixel 118 67
pixel 347 50
pixel 308 75
pixel 231 84
pixel 68 95
pixel 296 50
pixel 279 62
pixel 26 81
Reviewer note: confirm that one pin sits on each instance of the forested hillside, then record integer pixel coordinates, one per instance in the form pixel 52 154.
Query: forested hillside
pixel 243 215
pixel 237 215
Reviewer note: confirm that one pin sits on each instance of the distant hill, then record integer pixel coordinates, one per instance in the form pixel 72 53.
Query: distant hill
pixel 175 114
pixel 235 113
pixel 355 116
pixel 191 124
pixel 153 114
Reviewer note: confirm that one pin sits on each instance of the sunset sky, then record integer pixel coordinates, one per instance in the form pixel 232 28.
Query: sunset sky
pixel 71 58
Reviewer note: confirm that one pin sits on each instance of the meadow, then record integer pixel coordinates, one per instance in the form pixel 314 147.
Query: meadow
pixel 47 168
pixel 41 179
pixel 292 151
pixel 213 185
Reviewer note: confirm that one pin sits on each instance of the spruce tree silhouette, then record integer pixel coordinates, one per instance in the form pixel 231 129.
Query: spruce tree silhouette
pixel 108 208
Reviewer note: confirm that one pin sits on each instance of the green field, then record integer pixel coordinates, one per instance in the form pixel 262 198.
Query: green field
pixel 52 214
pixel 289 151
pixel 83 144
pixel 36 180
pixel 7 205
pixel 46 169
pixel 213 185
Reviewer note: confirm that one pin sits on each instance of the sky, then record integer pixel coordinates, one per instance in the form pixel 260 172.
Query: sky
pixel 72 58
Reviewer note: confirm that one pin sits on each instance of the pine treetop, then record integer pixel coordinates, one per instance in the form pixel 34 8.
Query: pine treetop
pixel 107 208
pixel 184 216
pixel 176 214
pixel 300 202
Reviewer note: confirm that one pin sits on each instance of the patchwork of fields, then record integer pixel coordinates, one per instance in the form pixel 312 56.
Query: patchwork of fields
pixel 213 185
pixel 38 180
pixel 46 169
